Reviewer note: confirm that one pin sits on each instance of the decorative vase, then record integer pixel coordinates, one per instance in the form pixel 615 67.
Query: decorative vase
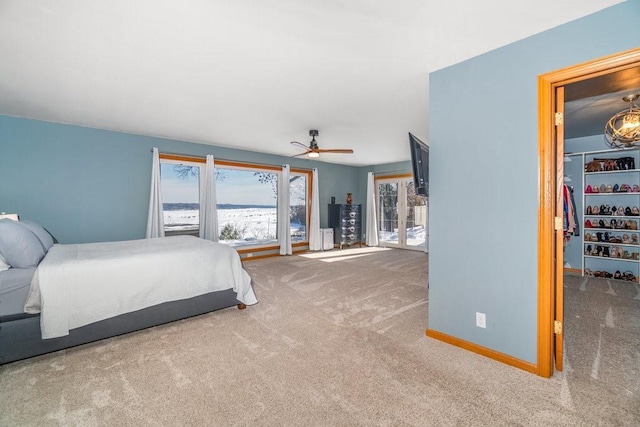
pixel 349 198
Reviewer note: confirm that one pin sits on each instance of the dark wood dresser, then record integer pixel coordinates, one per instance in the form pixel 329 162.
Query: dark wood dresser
pixel 346 221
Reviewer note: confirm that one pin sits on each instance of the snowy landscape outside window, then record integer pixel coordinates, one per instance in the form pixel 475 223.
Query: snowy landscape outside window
pixel 246 202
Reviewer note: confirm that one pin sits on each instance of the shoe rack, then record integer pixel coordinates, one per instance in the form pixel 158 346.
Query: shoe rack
pixel 611 217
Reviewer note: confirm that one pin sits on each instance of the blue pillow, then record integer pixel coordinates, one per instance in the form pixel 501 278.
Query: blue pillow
pixel 42 234
pixel 18 245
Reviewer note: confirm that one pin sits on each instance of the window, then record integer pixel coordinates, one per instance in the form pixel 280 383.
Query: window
pixel 247 200
pixel 180 182
pixel 248 203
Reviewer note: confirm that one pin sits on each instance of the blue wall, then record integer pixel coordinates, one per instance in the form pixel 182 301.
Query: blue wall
pixel 484 179
pixel 88 185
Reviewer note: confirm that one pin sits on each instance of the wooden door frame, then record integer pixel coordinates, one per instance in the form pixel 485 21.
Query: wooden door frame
pixel 548 153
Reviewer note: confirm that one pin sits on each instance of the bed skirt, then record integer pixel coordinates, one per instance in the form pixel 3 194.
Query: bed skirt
pixel 21 338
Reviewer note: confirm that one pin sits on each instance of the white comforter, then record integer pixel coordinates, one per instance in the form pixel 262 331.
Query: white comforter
pixel 78 284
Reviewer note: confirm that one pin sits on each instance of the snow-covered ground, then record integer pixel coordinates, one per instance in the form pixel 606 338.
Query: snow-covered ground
pixel 257 225
pixel 415 236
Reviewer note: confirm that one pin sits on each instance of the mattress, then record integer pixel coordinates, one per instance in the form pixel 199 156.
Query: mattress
pixel 14 288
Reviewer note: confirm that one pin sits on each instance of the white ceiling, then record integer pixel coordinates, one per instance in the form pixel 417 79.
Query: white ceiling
pixel 253 74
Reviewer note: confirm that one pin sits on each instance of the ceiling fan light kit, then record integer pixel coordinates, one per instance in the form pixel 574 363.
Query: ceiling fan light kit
pixel 623 129
pixel 313 151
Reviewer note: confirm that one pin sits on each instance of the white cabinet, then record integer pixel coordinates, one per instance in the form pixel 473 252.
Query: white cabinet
pixel 327 238
pixel 611 202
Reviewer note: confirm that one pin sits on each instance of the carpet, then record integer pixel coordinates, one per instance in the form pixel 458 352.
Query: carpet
pixel 337 339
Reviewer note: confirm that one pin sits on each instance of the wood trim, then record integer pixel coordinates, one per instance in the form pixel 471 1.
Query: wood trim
pixel 398 175
pixel 270 248
pixel 558 304
pixel 483 351
pixel 251 258
pixel 219 162
pixel 181 158
pixel 573 270
pixel 547 84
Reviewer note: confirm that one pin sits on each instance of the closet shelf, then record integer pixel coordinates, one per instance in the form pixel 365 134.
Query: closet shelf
pixel 613 258
pixel 612 172
pixel 626 193
pixel 614 217
pixel 592 243
pixel 602 180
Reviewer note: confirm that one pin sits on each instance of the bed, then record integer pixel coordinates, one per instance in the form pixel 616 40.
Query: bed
pixel 55 296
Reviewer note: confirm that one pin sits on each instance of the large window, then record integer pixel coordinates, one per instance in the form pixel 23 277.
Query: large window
pixel 180 196
pixel 247 200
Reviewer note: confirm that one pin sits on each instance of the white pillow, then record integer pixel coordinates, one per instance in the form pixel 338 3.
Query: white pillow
pixel 19 247
pixel 42 234
pixel 3 264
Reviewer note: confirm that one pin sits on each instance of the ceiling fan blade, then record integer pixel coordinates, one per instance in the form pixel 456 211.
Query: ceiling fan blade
pixel 300 144
pixel 336 150
pixel 301 154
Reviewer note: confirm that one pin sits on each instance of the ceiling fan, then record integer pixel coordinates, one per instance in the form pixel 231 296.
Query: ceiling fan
pixel 314 151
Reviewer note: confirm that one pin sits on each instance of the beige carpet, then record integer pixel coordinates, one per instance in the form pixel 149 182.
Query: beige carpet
pixel 338 339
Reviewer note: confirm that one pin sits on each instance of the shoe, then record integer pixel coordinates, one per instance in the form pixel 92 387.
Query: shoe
pixel 589 211
pixel 608 189
pixel 587 272
pixel 595 210
pixel 588 190
pixel 587 237
pixel 616 188
pixel 595 189
pixel 635 211
pixel 599 236
pixel 636 188
pixel 614 223
pixel 627 211
pixel 625 239
pixel 588 250
pixel 634 239
pixel 587 224
pixel 617 275
pixel 605 251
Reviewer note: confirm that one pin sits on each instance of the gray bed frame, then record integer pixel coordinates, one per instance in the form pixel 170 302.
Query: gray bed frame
pixel 20 336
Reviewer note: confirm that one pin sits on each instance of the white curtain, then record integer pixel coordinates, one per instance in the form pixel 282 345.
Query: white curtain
pixel 284 218
pixel 315 238
pixel 155 221
pixel 208 212
pixel 372 214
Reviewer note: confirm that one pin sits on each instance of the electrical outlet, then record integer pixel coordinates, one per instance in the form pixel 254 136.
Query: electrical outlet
pixel 481 320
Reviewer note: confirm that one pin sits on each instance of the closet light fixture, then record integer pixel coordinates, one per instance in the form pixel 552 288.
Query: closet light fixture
pixel 623 129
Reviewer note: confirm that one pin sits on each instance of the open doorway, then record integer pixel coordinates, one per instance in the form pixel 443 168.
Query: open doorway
pixel 551 92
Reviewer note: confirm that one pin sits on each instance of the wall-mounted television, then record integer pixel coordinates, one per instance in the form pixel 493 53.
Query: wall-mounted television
pixel 420 164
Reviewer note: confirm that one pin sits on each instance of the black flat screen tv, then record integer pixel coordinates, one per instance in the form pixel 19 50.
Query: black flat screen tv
pixel 420 164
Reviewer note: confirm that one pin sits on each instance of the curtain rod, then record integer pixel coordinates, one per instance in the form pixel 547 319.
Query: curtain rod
pixel 395 171
pixel 223 160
